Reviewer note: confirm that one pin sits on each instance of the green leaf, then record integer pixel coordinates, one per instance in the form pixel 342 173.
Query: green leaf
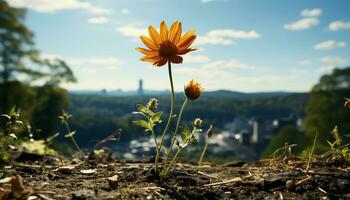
pixel 143 109
pixel 156 118
pixel 142 123
pixel 71 134
pixel 186 134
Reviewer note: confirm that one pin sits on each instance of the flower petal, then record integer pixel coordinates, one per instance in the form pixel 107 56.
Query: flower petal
pixel 186 43
pixel 161 62
pixel 185 37
pixel 154 35
pixel 151 60
pixel 151 56
pixel 163 31
pixel 145 51
pixel 176 59
pixel 178 34
pixel 175 32
pixel 184 51
pixel 149 43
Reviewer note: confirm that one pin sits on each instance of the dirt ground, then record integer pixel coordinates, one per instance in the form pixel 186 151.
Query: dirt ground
pixel 282 178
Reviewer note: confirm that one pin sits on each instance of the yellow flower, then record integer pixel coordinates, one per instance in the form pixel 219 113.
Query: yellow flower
pixel 193 90
pixel 167 45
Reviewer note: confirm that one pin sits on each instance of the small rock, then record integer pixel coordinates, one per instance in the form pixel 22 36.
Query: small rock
pixel 290 185
pixel 88 171
pixel 113 181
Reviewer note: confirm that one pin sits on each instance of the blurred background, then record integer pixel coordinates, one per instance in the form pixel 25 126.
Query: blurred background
pixel 274 72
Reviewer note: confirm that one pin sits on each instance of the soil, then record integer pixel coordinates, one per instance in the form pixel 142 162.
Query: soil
pixel 280 178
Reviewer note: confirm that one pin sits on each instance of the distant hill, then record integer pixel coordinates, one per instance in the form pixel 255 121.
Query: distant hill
pixel 228 93
pixel 217 93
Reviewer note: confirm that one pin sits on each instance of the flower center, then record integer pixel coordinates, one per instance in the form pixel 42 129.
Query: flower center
pixel 167 49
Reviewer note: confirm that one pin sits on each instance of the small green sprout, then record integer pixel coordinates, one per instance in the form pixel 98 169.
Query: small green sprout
pixel 337 150
pixel 8 137
pixel 64 119
pixel 337 139
pixel 151 119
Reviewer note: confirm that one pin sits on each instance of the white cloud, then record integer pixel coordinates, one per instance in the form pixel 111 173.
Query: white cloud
pixel 98 20
pixel 232 64
pixel 131 31
pixel 305 62
pixel 52 6
pixel 107 61
pixel 333 60
pixel 125 11
pixel 232 33
pixel 225 36
pixel 326 68
pixel 202 40
pixel 208 1
pixel 338 25
pixel 196 58
pixel 214 37
pixel 315 12
pixel 94 62
pixel 330 44
pixel 302 24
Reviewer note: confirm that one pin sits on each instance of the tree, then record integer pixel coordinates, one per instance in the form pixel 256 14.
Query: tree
pixel 20 61
pixel 325 108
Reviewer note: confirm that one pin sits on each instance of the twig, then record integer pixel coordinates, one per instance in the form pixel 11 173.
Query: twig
pixel 207 175
pixel 233 180
pixel 280 195
pixel 237 179
pixel 322 190
pixel 302 181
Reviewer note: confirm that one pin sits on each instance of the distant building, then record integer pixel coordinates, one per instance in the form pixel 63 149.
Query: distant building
pixel 140 90
pixel 259 131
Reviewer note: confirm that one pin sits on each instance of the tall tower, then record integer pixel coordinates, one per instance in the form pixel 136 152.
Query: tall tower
pixel 140 90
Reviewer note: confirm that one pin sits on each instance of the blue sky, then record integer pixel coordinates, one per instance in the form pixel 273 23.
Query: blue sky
pixel 244 45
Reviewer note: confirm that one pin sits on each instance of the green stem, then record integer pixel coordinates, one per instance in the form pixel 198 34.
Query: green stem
pixel 171 110
pixel 203 152
pixel 74 142
pixel 172 163
pixel 176 130
pixel 157 152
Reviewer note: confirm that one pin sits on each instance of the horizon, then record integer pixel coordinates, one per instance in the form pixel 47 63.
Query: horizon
pixel 245 46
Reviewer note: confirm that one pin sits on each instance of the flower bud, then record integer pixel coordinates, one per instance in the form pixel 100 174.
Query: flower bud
pixel 193 90
pixel 197 123
pixel 152 104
